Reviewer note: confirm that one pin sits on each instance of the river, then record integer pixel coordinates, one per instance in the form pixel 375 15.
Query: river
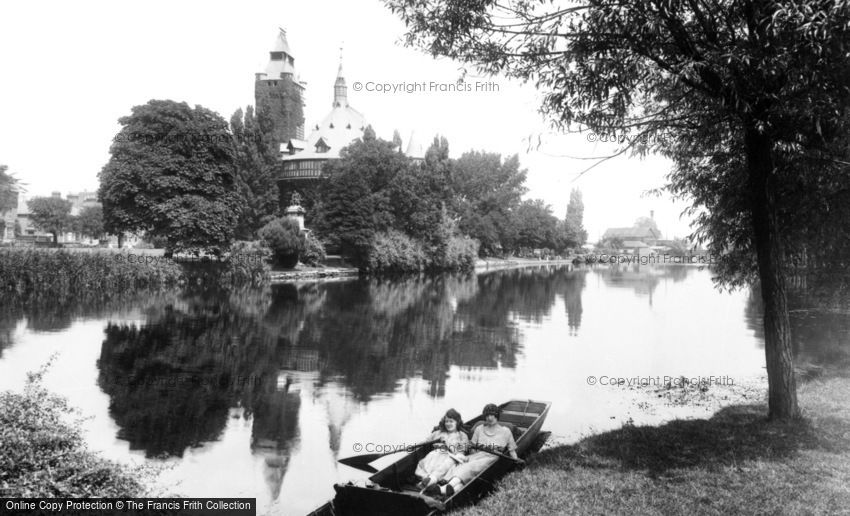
pixel 257 393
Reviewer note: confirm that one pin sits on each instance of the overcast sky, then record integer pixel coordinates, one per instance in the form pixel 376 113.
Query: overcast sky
pixel 71 69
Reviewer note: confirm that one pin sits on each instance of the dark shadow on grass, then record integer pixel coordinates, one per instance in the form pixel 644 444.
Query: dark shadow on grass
pixel 734 434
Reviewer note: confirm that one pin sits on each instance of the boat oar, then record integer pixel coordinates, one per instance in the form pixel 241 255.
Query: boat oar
pixel 361 462
pixel 487 449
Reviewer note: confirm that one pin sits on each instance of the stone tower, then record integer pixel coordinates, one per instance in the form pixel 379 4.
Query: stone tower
pixel 278 93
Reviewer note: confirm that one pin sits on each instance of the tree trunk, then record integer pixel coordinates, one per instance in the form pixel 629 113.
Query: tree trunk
pixel 782 387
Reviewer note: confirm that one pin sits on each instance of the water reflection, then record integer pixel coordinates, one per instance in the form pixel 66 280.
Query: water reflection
pixel 257 393
pixel 173 380
pixel 641 279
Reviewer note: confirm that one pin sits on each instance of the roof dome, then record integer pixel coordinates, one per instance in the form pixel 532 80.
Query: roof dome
pixel 338 129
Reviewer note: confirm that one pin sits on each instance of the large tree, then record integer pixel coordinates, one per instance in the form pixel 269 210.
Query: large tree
pixel 419 193
pixel 572 233
pixel 172 176
pixel 752 79
pixel 356 198
pixel 534 225
pixel 51 214
pixel 255 158
pixel 485 191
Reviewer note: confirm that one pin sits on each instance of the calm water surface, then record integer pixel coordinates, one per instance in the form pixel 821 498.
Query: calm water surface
pixel 258 394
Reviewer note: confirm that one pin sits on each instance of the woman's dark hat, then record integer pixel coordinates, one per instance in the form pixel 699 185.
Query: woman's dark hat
pixel 490 409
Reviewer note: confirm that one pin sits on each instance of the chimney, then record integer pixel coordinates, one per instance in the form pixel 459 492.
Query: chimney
pixel 652 214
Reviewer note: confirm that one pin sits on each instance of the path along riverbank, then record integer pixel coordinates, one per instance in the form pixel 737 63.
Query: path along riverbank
pixel 736 462
pixel 303 273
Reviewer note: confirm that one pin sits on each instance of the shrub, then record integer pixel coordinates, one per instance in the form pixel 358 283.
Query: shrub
pixel 55 273
pixel 283 237
pixel 314 251
pixel 43 456
pixel 393 251
pixel 459 253
pixel 247 263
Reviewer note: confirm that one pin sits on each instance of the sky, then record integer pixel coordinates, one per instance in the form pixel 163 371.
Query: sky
pixel 70 70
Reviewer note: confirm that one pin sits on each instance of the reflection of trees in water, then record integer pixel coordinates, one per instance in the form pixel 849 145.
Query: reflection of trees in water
pixel 572 299
pixel 820 333
pixel 370 334
pixel 374 332
pixel 56 314
pixel 174 380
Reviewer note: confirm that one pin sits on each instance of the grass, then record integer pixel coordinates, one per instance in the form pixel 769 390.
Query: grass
pixel 43 455
pixel 737 462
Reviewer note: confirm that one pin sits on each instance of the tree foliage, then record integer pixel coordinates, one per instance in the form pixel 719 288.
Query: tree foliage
pixel 572 234
pixel 485 191
pixel 283 236
pixel 733 90
pixel 51 214
pixel 171 175
pixel 534 225
pixel 89 222
pixel 9 188
pixel 356 200
pixel 255 158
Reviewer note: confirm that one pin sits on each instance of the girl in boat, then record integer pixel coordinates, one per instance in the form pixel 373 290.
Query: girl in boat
pixel 448 452
pixel 489 435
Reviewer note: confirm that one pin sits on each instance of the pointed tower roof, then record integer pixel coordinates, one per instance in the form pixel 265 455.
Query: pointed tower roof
pixel 280 43
pixel 415 147
pixel 340 88
pixel 281 61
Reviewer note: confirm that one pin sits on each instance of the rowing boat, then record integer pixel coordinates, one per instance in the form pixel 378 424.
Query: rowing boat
pixel 393 491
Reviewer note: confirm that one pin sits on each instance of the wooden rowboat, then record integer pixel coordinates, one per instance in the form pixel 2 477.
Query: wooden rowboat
pixel 392 490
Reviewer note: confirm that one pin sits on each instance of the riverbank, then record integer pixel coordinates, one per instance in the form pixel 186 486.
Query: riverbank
pixel 736 462
pixel 303 273
pixel 493 264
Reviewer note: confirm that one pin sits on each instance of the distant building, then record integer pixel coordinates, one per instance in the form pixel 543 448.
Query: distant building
pixel 637 238
pixel 84 199
pixel 30 235
pixel 278 91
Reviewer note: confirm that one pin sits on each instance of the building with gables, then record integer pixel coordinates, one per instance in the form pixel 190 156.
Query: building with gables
pixel 279 92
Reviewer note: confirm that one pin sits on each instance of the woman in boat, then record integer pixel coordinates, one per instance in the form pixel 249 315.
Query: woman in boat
pixel 490 435
pixel 448 452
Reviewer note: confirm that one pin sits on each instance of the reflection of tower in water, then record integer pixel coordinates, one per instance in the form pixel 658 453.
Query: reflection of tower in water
pixel 275 430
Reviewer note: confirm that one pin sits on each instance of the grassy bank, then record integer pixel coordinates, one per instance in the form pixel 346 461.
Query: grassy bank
pixel 734 463
pixel 43 455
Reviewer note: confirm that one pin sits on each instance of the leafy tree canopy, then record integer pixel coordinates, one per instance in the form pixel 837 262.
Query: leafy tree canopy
pixel 255 158
pixel 171 175
pixel 9 188
pixel 742 87
pixel 51 214
pixel 89 222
